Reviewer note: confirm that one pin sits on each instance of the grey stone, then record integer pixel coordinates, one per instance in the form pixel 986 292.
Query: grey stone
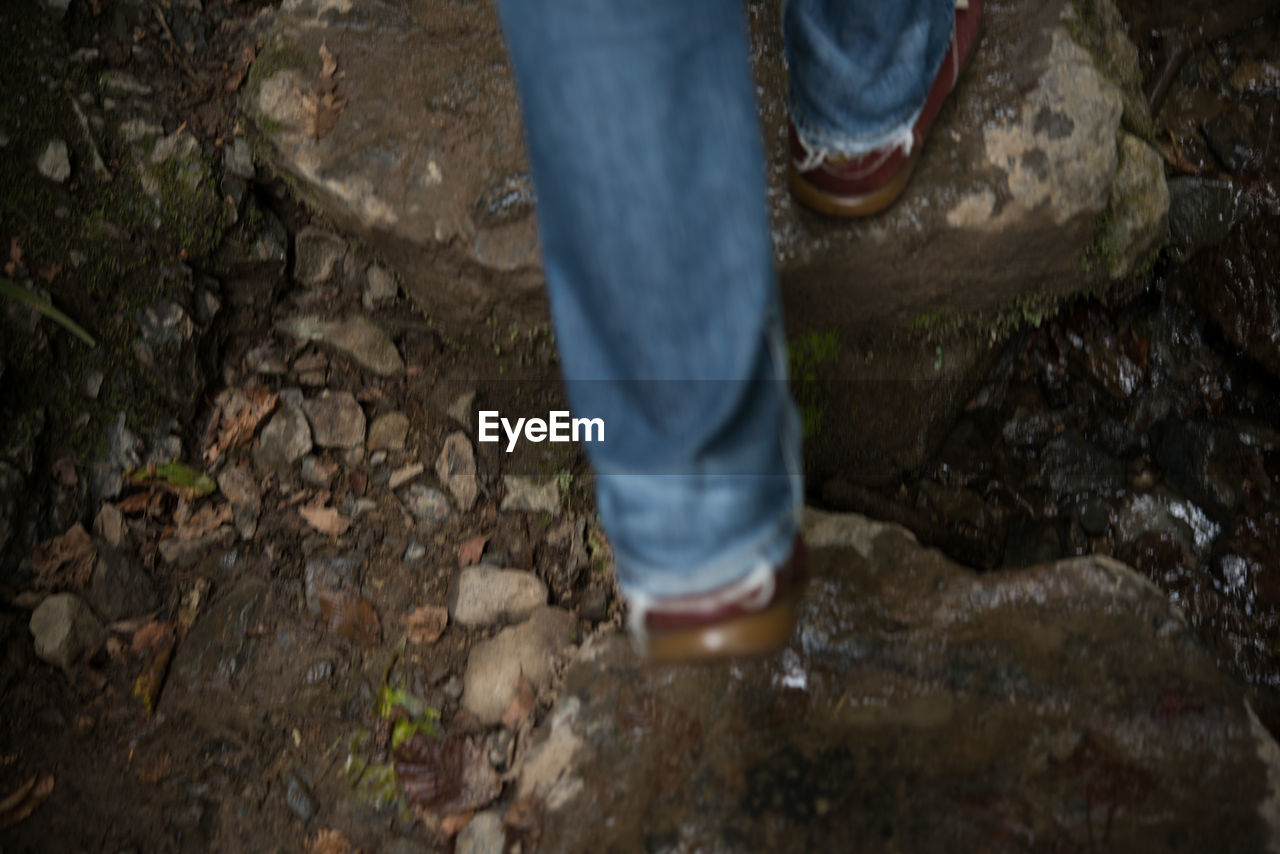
pixel 484 834
pixel 403 475
pixel 285 440
pixel 190 551
pixel 389 431
pixel 1163 512
pixel 356 337
pixel 1094 516
pixel 530 495
pixel 109 525
pixel 220 645
pixel 1070 464
pixel 456 469
pixel 65 630
pixel 318 254
pixel 1202 212
pixel 1062 664
pixel 414 552
pixel 337 421
pixel 380 287
pixel 377 458
pixel 297 796
pixel 317 472
pixel 237 158
pixel 326 574
pixel 120 587
pixel 487 595
pixel 54 163
pixel 241 489
pixel 495 666
pixel 427 503
pixel 270 245
pixel 319 673
pixel 462 409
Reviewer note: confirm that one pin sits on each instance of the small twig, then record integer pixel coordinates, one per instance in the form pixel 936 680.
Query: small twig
pixel 177 48
pixel 99 166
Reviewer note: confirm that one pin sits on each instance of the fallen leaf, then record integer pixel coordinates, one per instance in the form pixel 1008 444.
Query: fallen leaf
pixel 150 681
pixel 206 519
pixel 15 257
pixel 521 705
pixel 447 775
pixel 350 616
pixel 25 799
pixel 323 109
pixel 138 502
pixel 240 70
pixel 469 552
pixel 238 418
pixel 192 600
pixel 326 520
pixel 454 822
pixel 64 472
pixel 328 62
pixel 150 636
pixel 73 550
pixel 329 841
pixel 180 479
pixel 49 271
pixel 523 821
pixel 426 623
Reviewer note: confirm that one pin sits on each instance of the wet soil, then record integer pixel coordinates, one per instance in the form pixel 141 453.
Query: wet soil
pixel 1147 431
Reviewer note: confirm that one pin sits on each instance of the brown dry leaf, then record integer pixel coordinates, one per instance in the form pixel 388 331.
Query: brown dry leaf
pixel 192 601
pixel 150 681
pixel 323 109
pixel 426 623
pixel 326 520
pixel 328 62
pixel 150 636
pixel 521 705
pixel 350 616
pixel 469 552
pixel 523 821
pixel 25 799
pixel 447 775
pixel 64 472
pixel 203 521
pixel 138 502
pixel 330 841
pixel 238 419
pixel 15 257
pixel 49 271
pixel 455 821
pixel 240 70
pixel 74 550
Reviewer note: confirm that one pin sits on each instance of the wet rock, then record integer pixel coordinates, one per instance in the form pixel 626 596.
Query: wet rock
pixel 1030 543
pixel 1094 516
pixel 530 495
pixel 389 431
pixel 1202 212
pixel 380 287
pixel 1202 460
pixel 336 419
pixel 120 588
pixel 269 241
pixel 65 630
pixel 325 575
pixel 1138 202
pixel 1070 464
pixel 319 253
pixel 1161 511
pixel 318 472
pixel 237 158
pixel 484 834
pixel 487 595
pixel 356 336
pixel 1081 665
pixel 285 440
pixel 595 605
pixel 456 469
pixel 241 489
pixel 298 798
pixel 1230 139
pixel 427 503
pixel 184 551
pixel 221 643
pixel 495 666
pixel 54 163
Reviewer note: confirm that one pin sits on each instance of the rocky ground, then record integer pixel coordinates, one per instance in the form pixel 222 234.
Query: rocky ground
pixel 263 590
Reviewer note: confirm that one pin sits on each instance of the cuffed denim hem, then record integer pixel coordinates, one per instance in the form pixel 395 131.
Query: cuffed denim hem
pixel 820 145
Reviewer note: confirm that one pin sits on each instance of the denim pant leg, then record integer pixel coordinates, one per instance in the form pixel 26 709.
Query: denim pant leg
pixel 860 70
pixel 645 146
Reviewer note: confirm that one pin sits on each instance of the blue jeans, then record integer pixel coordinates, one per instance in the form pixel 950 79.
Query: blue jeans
pixel 643 136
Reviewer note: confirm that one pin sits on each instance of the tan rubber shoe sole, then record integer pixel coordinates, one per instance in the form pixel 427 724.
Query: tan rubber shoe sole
pixel 865 204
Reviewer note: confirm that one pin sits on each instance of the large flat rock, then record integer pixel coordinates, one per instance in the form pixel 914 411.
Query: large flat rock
pixel 922 707
pixel 1033 186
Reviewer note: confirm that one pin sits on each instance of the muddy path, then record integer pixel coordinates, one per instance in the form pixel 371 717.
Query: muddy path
pixel 266 660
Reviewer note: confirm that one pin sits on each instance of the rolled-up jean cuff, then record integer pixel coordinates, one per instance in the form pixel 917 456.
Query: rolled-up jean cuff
pixel 826 144
pixel 770 543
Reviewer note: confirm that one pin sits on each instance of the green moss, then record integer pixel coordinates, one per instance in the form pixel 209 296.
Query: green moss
pixel 810 354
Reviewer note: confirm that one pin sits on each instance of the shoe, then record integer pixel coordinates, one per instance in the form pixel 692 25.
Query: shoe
pixel 868 183
pixel 754 616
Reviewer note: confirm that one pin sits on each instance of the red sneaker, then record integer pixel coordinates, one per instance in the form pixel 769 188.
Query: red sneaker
pixel 754 616
pixel 868 183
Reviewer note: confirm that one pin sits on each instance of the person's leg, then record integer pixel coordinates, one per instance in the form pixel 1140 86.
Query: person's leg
pixel 646 153
pixel 866 80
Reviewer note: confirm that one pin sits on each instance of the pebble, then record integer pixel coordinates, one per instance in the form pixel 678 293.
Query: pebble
pixel 377 458
pixel 318 253
pixel 337 421
pixel 66 630
pixel 427 503
pixel 298 797
pixel 120 587
pixel 237 158
pixel 240 488
pixel 356 336
pixel 456 469
pixel 462 408
pixel 414 552
pixel 109 525
pixel 55 163
pixel 326 574
pixel 530 649
pixel 389 431
pixel 404 474
pixel 531 496
pixel 319 672
pixel 486 595
pixel 1094 516
pixel 285 440
pixel 318 472
pixel 188 552
pixel 484 834
pixel 380 287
